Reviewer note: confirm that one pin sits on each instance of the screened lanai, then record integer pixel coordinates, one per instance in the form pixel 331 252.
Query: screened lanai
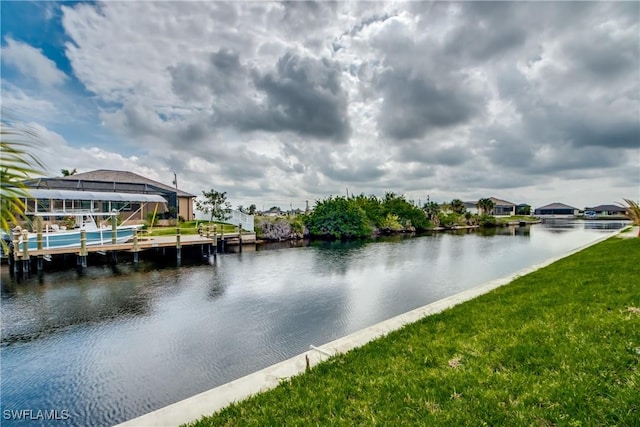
pixel 44 202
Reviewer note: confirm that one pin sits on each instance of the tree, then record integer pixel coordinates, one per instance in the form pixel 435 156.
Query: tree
pixel 339 218
pixel 458 206
pixel 252 209
pixel 633 212
pixel 411 216
pixel 485 206
pixel 432 211
pixel 17 163
pixel 67 172
pixel 215 205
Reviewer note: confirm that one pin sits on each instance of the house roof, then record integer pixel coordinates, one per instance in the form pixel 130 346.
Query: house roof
pixel 499 202
pixel 40 193
pixel 610 208
pixel 557 205
pixel 107 175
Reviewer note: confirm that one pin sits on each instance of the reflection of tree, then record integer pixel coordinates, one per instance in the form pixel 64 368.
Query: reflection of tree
pixel 335 256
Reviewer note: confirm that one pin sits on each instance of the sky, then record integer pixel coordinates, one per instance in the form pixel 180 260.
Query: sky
pixel 279 103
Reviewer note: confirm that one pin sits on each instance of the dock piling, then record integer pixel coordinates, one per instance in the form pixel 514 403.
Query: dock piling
pixel 25 254
pixel 135 246
pixel 82 258
pixel 178 246
pixel 114 230
pixel 40 244
pixel 15 251
pixel 215 241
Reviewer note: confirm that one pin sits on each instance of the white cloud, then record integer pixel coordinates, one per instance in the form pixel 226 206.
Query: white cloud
pixel 465 100
pixel 32 62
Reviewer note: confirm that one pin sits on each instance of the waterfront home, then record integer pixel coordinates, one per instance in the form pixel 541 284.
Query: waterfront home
pixel 103 180
pixel 606 210
pixel 273 212
pixel 557 210
pixel 502 207
pixel 472 207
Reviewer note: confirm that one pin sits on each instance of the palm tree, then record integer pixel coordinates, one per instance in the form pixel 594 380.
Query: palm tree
pixel 67 172
pixel 16 164
pixel 633 212
pixel 458 206
pixel 485 206
pixel 432 209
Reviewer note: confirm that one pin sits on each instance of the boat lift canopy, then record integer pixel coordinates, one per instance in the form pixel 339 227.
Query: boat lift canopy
pixel 106 196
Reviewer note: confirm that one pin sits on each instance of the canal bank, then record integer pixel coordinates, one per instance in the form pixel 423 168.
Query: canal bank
pixel 213 400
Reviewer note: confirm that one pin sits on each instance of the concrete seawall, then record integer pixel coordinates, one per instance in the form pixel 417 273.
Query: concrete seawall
pixel 208 402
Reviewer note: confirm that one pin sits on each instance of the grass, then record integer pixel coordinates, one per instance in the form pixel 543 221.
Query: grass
pixel 190 227
pixel 502 219
pixel 560 346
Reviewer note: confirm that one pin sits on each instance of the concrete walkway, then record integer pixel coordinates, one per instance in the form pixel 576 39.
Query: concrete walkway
pixel 629 234
pixel 213 400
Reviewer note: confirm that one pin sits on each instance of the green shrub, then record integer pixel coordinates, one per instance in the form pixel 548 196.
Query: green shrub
pixel 487 221
pixel 339 218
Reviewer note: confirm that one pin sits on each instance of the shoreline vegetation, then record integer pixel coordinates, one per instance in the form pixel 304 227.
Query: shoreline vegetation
pixel 363 216
pixel 559 346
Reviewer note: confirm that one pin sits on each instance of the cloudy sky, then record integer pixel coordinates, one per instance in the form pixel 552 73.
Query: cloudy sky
pixel 278 103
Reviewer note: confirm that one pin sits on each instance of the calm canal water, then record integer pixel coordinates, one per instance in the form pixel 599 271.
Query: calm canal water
pixel 112 345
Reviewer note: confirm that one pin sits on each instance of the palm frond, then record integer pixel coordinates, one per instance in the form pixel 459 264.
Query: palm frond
pixel 17 163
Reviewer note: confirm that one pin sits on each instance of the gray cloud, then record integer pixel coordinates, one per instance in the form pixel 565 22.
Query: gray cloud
pixel 414 106
pixel 305 98
pixel 303 95
pixel 222 75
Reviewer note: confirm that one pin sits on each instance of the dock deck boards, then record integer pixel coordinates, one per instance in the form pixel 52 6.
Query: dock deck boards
pixel 144 243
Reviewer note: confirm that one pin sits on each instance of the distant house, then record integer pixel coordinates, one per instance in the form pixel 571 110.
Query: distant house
pixel 502 207
pixel 113 181
pixel 605 210
pixel 557 210
pixel 274 211
pixel 471 207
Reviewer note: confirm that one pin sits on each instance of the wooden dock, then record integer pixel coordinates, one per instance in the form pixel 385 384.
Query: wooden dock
pixel 210 244
pixel 145 243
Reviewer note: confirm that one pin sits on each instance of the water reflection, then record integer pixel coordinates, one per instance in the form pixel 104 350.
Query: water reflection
pixel 112 345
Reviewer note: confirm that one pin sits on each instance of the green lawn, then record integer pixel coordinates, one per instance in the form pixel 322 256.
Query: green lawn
pixel 190 227
pixel 560 346
pixel 502 219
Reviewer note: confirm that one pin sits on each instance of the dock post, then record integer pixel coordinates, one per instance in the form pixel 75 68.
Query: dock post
pixel 222 239
pixel 208 237
pixel 178 246
pixel 16 251
pixel 240 237
pixel 25 253
pixel 215 241
pixel 114 230
pixel 83 249
pixel 135 246
pixel 39 238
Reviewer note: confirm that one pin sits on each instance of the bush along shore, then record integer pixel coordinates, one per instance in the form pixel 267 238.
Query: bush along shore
pixel 560 346
pixel 367 216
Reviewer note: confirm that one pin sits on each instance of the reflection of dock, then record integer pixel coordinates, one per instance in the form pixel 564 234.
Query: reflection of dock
pixel 22 257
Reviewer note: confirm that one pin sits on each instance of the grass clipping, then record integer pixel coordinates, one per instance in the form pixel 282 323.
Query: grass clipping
pixel 560 346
